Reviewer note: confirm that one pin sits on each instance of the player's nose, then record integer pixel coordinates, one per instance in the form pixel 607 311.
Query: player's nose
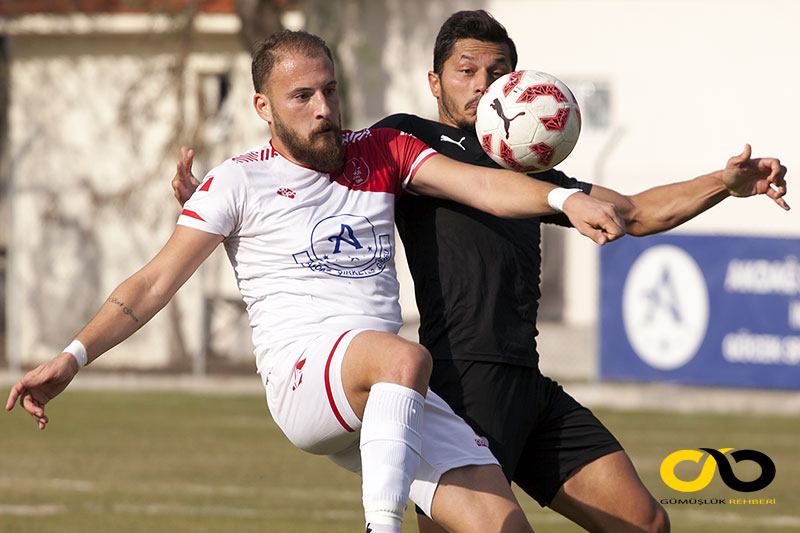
pixel 482 81
pixel 322 107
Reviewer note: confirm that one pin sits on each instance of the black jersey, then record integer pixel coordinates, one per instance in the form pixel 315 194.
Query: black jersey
pixel 476 276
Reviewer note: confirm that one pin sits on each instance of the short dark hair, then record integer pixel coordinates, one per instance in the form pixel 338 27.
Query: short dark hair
pixel 266 52
pixel 478 24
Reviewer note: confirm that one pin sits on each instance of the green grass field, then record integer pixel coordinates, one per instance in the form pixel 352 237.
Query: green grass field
pixel 153 462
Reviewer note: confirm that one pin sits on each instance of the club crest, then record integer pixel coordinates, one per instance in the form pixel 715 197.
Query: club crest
pixel 346 246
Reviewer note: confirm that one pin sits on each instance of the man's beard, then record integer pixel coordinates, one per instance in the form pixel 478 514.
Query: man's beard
pixel 462 122
pixel 319 151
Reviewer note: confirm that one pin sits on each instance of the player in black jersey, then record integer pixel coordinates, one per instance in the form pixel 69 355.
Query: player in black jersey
pixel 476 279
pixel 477 288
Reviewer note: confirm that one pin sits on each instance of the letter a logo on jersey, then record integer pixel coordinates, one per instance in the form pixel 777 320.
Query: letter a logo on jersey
pixel 350 239
pixel 346 246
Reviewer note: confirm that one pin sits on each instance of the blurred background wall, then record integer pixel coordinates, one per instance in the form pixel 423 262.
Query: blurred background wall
pixel 98 96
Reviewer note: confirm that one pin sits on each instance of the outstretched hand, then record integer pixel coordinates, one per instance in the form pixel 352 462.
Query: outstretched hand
pixel 41 385
pixel 745 177
pixel 184 183
pixel 596 219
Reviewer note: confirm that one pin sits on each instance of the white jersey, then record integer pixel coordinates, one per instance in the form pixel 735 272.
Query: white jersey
pixel 313 252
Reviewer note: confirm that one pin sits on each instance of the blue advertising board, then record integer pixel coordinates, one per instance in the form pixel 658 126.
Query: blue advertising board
pixel 703 310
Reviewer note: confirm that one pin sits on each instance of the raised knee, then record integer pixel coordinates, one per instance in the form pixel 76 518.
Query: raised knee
pixel 419 363
pixel 411 366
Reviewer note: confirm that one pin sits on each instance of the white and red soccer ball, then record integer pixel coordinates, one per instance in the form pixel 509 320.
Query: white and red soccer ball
pixel 528 121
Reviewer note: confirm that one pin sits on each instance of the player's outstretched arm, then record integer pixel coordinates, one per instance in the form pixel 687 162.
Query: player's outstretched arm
pixel 129 307
pixel 184 183
pixel 510 194
pixel 745 177
pixel 667 206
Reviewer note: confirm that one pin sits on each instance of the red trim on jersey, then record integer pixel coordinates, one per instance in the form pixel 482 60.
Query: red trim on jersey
pixel 207 184
pixel 335 410
pixel 419 164
pixel 190 213
pixel 379 160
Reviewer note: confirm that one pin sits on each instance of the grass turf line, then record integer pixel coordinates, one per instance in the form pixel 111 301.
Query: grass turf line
pixel 131 462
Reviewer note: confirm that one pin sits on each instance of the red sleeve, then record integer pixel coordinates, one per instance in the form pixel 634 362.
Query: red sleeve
pixel 407 152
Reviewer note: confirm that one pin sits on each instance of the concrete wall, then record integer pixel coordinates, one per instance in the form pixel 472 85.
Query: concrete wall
pixel 99 108
pixel 97 115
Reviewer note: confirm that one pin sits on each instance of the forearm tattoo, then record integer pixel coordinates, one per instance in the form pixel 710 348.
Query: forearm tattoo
pixel 127 310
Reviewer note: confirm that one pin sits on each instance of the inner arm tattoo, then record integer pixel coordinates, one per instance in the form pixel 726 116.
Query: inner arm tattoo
pixel 127 310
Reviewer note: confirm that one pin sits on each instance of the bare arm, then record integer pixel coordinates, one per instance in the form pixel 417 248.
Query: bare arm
pixel 667 206
pixel 499 192
pixel 509 194
pixel 134 302
pixel 137 299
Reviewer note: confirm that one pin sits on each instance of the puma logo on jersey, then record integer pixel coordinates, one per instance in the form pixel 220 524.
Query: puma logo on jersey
pixel 288 193
pixel 445 138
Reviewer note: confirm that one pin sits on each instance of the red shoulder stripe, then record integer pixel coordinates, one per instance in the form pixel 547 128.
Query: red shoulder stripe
pixel 207 184
pixel 190 213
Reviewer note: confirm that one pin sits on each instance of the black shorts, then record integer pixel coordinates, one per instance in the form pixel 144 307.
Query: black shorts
pixel 537 431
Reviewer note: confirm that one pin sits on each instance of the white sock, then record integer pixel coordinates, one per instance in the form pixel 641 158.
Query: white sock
pixel 391 440
pixel 383 528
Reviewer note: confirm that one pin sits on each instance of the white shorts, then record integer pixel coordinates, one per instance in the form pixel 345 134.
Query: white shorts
pixel 307 400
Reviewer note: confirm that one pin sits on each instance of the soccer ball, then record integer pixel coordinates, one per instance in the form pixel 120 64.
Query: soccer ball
pixel 528 121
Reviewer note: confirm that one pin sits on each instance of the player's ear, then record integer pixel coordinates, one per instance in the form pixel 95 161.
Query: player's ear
pixel 263 107
pixel 435 84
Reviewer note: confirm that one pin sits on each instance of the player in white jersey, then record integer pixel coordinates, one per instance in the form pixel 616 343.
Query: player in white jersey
pixel 289 233
pixel 307 223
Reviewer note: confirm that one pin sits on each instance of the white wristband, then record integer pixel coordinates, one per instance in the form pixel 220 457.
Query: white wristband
pixel 557 197
pixel 78 351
